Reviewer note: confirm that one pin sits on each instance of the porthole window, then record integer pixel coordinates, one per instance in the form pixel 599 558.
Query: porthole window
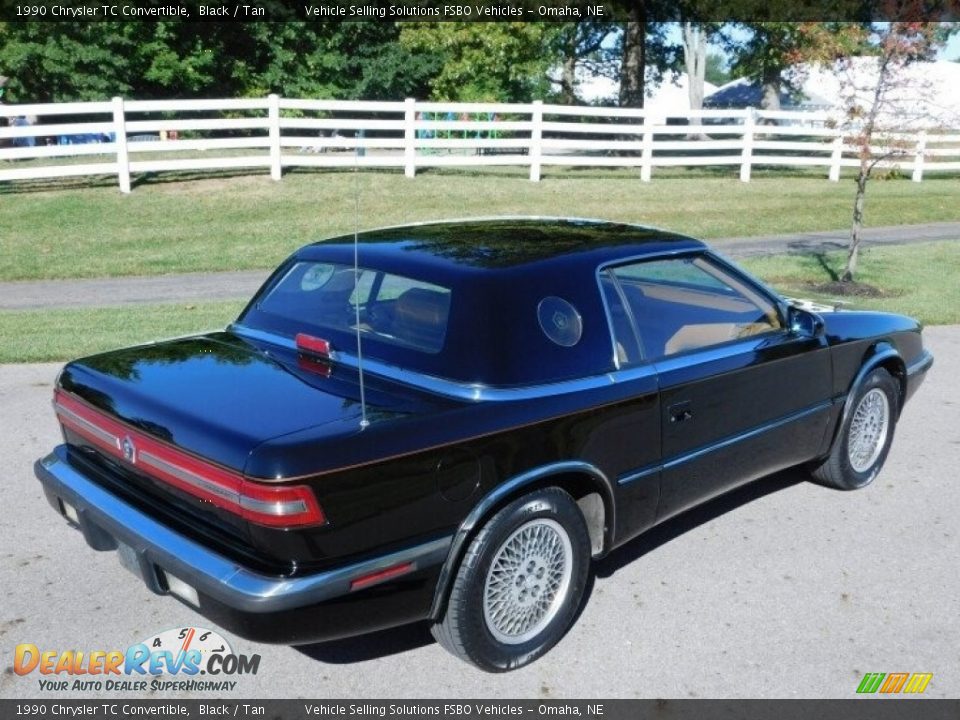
pixel 560 321
pixel 316 276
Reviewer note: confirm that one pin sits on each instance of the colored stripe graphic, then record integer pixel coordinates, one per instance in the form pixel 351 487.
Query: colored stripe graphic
pixel 870 682
pixel 894 683
pixel 918 682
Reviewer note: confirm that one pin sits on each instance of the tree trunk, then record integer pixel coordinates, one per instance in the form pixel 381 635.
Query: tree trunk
pixel 634 61
pixel 695 59
pixel 568 79
pixel 867 162
pixel 770 88
pixel 853 251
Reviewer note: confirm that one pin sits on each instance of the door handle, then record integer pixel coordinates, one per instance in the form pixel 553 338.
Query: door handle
pixel 680 412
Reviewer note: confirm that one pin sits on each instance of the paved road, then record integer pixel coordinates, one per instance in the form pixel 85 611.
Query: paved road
pixel 796 593
pixel 234 285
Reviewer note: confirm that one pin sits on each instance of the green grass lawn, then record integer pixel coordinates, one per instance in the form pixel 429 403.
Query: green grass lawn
pixel 42 335
pixel 920 280
pixel 182 222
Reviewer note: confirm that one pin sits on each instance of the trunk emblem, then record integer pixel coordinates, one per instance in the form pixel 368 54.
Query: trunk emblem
pixel 129 449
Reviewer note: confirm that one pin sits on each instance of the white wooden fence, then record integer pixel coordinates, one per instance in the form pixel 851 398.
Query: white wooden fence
pixel 149 136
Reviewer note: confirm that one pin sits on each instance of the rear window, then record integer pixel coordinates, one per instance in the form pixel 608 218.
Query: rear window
pixel 394 309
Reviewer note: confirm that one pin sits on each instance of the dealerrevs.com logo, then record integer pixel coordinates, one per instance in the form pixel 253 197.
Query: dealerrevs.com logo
pixel 181 659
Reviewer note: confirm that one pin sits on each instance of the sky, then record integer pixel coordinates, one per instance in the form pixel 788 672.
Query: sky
pixel 951 51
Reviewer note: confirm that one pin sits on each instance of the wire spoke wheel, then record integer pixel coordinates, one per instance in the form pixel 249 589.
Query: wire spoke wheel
pixel 868 430
pixel 528 581
pixel 519 583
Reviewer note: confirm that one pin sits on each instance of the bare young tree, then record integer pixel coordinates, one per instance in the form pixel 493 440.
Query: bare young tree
pixel 882 101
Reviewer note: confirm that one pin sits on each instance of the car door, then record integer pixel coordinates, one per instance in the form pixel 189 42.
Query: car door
pixel 741 395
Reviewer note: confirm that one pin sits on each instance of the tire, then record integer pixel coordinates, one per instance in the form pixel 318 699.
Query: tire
pixel 863 442
pixel 493 619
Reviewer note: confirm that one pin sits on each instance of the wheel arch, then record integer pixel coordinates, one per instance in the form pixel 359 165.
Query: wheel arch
pixel 587 484
pixel 882 354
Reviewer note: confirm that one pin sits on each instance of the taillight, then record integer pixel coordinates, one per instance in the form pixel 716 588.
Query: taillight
pixel 261 503
pixel 311 344
pixel 314 354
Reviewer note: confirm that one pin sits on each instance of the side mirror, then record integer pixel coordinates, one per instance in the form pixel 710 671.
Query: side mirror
pixel 804 323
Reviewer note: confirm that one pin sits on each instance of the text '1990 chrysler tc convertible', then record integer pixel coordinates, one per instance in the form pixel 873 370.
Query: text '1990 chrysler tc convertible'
pixel 446 422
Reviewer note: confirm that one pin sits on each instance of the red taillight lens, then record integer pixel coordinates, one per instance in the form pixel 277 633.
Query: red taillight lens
pixel 261 503
pixel 309 343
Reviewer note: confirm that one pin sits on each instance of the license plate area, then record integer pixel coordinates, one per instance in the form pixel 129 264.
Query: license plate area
pixel 129 559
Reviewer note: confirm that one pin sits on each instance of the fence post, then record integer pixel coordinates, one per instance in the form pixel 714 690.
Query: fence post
pixel 836 156
pixel 409 137
pixel 120 143
pixel 536 139
pixel 918 157
pixel 273 115
pixel 646 152
pixel 749 121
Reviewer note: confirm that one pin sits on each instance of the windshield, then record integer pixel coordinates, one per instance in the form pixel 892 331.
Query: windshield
pixel 394 309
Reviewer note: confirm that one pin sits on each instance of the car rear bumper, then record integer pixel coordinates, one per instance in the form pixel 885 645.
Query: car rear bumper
pixel 308 608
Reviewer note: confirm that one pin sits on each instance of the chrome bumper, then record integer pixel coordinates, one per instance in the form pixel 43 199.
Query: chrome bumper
pixel 105 521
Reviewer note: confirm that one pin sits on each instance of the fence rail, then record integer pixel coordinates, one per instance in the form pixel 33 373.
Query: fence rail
pixel 126 137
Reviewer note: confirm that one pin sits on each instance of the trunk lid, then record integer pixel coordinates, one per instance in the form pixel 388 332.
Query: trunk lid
pixel 219 396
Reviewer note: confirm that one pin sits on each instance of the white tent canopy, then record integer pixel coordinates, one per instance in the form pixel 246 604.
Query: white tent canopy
pixel 671 96
pixel 923 94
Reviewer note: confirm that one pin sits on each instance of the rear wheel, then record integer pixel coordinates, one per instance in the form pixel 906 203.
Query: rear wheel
pixel 861 447
pixel 520 583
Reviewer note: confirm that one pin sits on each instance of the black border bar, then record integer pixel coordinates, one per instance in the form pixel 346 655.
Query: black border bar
pixel 326 11
pixel 873 708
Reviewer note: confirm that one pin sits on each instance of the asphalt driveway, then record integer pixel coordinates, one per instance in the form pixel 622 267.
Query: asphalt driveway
pixel 782 589
pixel 199 287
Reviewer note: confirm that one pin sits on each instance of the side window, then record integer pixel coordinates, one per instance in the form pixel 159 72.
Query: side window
pixel 682 304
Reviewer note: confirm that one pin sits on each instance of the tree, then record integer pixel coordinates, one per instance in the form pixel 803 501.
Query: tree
pixel 633 57
pixel 580 44
pixel 716 71
pixel 873 105
pixel 484 62
pixel 645 50
pixel 695 59
pixel 62 62
pixel 695 38
pixel 773 53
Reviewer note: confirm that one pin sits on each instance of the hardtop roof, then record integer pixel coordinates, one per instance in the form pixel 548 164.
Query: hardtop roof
pixel 473 245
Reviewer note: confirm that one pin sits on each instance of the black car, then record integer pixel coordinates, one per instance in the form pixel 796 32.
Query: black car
pixel 447 421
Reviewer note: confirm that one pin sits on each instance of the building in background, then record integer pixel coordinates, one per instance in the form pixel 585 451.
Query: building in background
pixel 925 94
pixel 669 97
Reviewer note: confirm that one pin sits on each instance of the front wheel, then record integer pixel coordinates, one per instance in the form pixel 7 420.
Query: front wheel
pixel 520 583
pixel 863 442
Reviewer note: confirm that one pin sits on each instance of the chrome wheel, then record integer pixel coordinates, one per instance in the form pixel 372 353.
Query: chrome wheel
pixel 868 430
pixel 528 581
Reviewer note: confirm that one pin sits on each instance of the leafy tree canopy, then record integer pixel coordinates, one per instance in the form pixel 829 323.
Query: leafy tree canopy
pixel 505 62
pixel 62 62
